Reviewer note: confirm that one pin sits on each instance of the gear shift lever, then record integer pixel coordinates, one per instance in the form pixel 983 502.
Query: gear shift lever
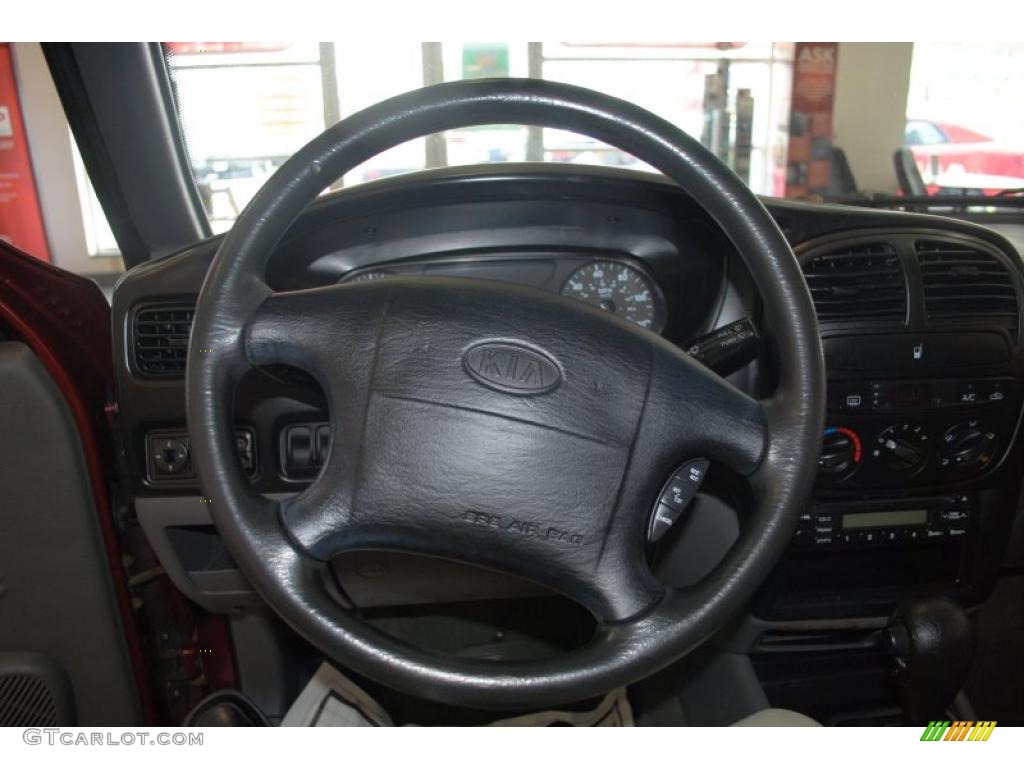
pixel 934 645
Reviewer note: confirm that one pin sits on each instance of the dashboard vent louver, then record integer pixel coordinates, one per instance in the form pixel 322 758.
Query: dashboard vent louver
pixel 160 339
pixel 966 285
pixel 862 282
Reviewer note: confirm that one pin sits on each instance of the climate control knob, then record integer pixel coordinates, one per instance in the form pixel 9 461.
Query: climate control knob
pixel 968 447
pixel 840 452
pixel 903 448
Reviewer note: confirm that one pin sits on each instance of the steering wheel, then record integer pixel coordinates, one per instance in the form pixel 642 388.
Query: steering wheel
pixel 499 425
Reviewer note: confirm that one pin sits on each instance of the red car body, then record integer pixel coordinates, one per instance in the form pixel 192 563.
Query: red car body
pixel 942 149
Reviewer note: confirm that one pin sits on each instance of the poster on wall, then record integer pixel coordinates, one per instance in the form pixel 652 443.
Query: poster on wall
pixel 809 160
pixel 484 60
pixel 21 220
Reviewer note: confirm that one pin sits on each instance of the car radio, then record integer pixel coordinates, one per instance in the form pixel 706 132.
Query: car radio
pixel 880 523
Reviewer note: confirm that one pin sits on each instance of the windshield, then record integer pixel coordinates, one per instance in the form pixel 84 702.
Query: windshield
pixel 811 121
pixel 246 107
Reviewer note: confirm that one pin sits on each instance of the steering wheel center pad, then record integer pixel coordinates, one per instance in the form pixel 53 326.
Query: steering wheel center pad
pixel 517 429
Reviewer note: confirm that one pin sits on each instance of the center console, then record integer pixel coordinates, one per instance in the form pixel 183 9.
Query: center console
pixel 919 467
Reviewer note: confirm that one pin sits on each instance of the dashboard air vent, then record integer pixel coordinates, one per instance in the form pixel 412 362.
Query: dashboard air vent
pixel 160 339
pixel 862 282
pixel 966 285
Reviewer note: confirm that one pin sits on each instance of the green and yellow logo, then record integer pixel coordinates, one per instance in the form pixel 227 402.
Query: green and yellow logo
pixel 959 730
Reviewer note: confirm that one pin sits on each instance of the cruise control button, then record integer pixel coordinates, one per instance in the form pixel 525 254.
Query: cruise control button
pixel 684 484
pixel 676 496
pixel 664 517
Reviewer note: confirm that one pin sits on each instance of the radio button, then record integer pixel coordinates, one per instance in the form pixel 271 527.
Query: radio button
pixel 867 537
pixel 952 515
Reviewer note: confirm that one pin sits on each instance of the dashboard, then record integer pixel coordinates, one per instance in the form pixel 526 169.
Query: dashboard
pixel 620 286
pixel 919 316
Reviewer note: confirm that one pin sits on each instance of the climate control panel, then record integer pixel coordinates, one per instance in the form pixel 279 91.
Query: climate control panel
pixel 894 434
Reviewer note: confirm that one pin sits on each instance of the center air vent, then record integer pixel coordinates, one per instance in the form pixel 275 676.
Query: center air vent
pixel 964 285
pixel 160 339
pixel 861 282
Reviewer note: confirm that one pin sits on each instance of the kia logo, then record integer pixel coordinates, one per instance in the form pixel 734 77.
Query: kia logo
pixel 512 368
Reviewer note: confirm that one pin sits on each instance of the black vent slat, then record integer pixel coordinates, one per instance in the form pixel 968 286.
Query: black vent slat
pixel 965 285
pixel 860 282
pixel 953 289
pixel 160 339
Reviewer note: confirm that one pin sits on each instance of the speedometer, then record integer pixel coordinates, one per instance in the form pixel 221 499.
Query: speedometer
pixel 617 288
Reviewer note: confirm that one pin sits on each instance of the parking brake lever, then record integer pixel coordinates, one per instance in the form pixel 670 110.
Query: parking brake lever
pixel 727 349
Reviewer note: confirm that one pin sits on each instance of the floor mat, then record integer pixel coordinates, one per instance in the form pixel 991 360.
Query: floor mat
pixel 331 700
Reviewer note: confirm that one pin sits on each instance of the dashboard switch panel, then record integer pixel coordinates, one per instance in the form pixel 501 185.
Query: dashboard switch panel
pixel 303 449
pixel 169 455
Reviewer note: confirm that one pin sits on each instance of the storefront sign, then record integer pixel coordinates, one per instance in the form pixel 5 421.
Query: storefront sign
pixel 809 163
pixel 21 220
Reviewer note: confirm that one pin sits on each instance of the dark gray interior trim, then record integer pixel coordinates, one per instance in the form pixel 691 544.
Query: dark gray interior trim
pixel 58 597
pixel 120 106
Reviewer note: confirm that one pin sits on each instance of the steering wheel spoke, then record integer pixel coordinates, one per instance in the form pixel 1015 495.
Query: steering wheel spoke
pixel 324 330
pixel 701 415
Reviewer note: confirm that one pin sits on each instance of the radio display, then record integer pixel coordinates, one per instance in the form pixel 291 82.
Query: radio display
pixel 885 519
